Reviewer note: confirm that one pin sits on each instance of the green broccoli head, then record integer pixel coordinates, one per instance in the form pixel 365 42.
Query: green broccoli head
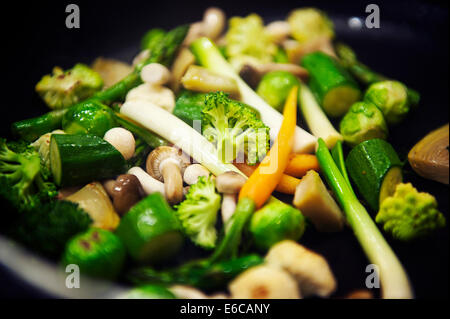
pixel 309 24
pixel 362 122
pixel 198 212
pixel 247 37
pixel 234 128
pixel 22 176
pixel 409 214
pixel 391 97
pixel 65 88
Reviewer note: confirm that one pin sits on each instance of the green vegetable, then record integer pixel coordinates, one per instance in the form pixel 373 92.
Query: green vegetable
pixel 364 121
pixel 198 212
pixel 209 56
pixel 234 127
pixel 201 274
pixel 98 252
pixel 32 129
pixel 280 56
pixel 338 156
pixel 393 278
pixel 229 245
pixel 364 74
pixel 333 87
pixel 310 24
pixel 275 86
pixel 375 169
pixel 80 159
pixel 151 39
pixel 189 107
pixel 46 227
pixel 247 37
pixel 65 88
pixel 88 118
pixel 42 145
pixel 391 97
pixel 149 292
pixel 317 121
pixel 150 230
pixel 275 222
pixel 23 180
pixel 408 214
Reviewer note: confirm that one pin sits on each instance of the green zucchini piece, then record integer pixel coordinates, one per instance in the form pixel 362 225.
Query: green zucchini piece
pixel 31 129
pixel 189 107
pixel 375 169
pixel 77 159
pixel 332 85
pixel 151 231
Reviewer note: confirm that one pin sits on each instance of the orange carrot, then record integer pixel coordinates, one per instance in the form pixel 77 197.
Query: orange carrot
pixel 287 184
pixel 268 174
pixel 300 164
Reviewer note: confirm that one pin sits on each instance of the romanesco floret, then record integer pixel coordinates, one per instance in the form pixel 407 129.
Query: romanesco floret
pixel 65 88
pixel 198 212
pixel 409 214
pixel 234 128
pixel 247 37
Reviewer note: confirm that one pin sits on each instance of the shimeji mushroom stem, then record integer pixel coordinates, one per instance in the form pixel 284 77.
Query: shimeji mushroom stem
pixel 173 181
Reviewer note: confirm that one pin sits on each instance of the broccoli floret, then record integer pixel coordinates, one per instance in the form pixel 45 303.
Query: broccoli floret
pixel 65 88
pixel 247 37
pixel 234 128
pixel 47 227
pixel 23 178
pixel 409 214
pixel 198 212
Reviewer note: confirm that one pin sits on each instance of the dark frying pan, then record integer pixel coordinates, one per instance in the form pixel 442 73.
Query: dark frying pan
pixel 411 45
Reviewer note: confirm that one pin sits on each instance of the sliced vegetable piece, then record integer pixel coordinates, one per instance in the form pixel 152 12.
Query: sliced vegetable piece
pixel 333 87
pixel 189 107
pixel 430 157
pixel 150 230
pixel 316 203
pixel 375 168
pixel 79 159
pixel 95 201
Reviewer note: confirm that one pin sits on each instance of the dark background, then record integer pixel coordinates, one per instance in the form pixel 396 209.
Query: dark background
pixel 411 46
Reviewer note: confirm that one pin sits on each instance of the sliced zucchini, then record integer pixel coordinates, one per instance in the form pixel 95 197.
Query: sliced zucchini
pixel 332 85
pixel 80 159
pixel 375 169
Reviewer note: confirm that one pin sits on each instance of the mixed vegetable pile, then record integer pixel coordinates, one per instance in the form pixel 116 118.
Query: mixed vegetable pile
pixel 194 142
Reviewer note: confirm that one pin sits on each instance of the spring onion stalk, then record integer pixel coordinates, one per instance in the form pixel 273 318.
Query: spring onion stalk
pixel 210 57
pixel 317 121
pixel 171 128
pixel 338 155
pixel 394 280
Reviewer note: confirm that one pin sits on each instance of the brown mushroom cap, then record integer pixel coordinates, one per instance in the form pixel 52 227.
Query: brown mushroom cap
pixel 230 182
pixel 126 193
pixel 161 154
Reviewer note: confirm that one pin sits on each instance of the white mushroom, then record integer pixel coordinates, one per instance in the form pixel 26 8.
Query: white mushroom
pixel 188 292
pixel 159 95
pixel 184 59
pixel 148 183
pixel 229 184
pixel 278 31
pixel 309 268
pixel 155 74
pixel 193 172
pixel 141 57
pixel 213 22
pixel 122 140
pixel 264 282
pixel 167 164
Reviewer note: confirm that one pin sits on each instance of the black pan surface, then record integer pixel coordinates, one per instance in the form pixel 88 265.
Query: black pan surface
pixel 411 45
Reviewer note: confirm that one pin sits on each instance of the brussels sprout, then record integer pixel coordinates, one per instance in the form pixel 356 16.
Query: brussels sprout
pixel 391 97
pixel 364 121
pixel 275 222
pixel 88 118
pixel 98 253
pixel 65 88
pixel 275 86
pixel 309 24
